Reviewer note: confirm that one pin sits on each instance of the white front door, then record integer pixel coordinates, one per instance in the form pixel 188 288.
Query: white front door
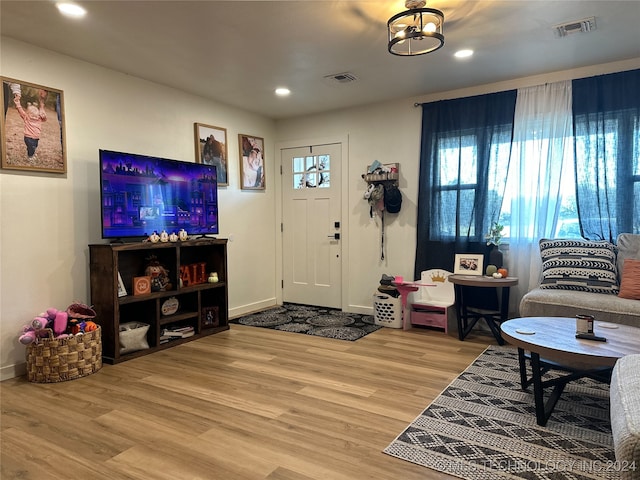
pixel 311 241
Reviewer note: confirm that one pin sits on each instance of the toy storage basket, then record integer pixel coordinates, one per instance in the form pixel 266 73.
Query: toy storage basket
pixel 59 359
pixel 387 310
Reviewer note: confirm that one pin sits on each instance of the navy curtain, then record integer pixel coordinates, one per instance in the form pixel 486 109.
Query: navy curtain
pixel 465 148
pixel 606 118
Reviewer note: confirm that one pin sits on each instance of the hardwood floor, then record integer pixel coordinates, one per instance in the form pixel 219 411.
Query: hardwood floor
pixel 248 403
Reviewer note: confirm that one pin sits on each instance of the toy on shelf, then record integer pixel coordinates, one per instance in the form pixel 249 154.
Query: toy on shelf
pixel 160 281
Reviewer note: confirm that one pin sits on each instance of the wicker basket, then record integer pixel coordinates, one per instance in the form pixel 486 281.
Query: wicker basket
pixel 59 359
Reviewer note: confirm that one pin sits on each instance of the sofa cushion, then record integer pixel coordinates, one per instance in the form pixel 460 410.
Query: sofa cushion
pixel 579 265
pixel 567 303
pixel 630 283
pixel 628 247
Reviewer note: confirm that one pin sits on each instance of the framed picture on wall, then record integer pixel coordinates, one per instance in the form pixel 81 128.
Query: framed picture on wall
pixel 251 162
pixel 211 149
pixel 32 125
pixel 468 264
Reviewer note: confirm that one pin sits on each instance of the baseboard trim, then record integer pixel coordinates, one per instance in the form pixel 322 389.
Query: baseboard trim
pixel 251 308
pixel 12 371
pixel 362 309
pixel 272 302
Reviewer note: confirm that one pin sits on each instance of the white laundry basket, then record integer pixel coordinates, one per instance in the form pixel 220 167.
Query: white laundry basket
pixel 387 310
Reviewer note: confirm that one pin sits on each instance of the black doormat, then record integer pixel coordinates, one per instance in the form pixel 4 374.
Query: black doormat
pixel 310 320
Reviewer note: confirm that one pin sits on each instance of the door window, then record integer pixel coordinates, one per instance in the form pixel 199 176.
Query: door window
pixel 312 171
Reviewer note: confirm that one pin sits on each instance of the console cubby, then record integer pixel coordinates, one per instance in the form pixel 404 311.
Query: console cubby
pixel 201 305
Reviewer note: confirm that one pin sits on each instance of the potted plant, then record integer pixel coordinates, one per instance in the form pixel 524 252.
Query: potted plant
pixel 494 238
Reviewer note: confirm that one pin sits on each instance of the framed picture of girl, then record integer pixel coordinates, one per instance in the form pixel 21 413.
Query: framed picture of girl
pixel 211 149
pixel 32 125
pixel 251 162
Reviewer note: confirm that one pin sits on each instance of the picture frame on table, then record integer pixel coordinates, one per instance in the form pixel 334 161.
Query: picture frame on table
pixel 211 149
pixel 468 264
pixel 32 127
pixel 252 162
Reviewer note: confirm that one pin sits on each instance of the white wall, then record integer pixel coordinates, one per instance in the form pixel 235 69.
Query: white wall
pixel 388 133
pixel 47 220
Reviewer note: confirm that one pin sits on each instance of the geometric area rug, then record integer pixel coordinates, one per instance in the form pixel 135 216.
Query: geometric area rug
pixel 483 426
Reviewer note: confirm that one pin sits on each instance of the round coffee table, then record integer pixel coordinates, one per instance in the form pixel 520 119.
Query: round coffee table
pixel 552 344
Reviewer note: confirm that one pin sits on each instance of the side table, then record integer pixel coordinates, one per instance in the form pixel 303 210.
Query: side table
pixel 467 319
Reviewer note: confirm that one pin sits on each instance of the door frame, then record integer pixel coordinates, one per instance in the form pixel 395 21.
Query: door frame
pixel 343 141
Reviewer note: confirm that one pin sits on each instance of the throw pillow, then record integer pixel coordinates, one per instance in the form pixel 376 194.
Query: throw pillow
pixel 630 283
pixel 580 265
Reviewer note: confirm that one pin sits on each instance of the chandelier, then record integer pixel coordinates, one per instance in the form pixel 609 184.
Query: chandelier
pixel 415 31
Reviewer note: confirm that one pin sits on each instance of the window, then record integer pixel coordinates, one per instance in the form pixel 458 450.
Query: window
pixel 465 147
pixel 313 171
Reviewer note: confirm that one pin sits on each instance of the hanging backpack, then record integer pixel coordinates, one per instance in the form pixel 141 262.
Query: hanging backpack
pixel 373 195
pixel 392 198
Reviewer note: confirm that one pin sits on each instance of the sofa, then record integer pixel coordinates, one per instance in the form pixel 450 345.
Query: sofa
pixel 561 296
pixel 565 291
pixel 625 415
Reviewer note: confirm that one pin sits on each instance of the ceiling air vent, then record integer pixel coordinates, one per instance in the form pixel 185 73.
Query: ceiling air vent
pixel 579 26
pixel 341 77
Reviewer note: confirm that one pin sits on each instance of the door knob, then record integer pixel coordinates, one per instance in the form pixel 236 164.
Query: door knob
pixel 335 236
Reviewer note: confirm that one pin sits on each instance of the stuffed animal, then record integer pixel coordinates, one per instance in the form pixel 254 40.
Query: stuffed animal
pixel 76 319
pixel 35 330
pixel 159 275
pixel 79 315
pixel 40 326
pixel 90 326
pixel 59 320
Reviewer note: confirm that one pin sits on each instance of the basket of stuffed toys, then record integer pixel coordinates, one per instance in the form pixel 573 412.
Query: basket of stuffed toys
pixel 62 345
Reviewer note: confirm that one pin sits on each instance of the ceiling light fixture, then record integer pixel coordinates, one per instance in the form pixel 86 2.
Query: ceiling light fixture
pixel 282 91
pixel 71 9
pixel 415 31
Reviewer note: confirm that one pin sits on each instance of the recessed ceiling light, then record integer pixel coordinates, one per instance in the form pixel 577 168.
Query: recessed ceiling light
pixel 282 91
pixel 463 53
pixel 71 10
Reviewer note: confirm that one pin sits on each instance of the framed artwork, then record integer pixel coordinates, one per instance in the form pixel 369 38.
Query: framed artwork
pixel 251 162
pixel 32 125
pixel 468 264
pixel 211 149
pixel 210 317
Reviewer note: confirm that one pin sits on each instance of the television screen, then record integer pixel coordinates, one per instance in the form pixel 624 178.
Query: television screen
pixel 141 195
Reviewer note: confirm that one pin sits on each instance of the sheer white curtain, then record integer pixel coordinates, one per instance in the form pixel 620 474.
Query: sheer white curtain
pixel 540 173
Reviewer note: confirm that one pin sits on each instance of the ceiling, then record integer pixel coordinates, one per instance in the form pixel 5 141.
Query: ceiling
pixel 238 52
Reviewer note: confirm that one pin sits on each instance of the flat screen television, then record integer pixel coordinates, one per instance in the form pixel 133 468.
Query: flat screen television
pixel 140 195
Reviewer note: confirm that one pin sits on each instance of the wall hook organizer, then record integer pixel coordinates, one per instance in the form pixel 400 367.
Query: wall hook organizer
pixel 378 172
